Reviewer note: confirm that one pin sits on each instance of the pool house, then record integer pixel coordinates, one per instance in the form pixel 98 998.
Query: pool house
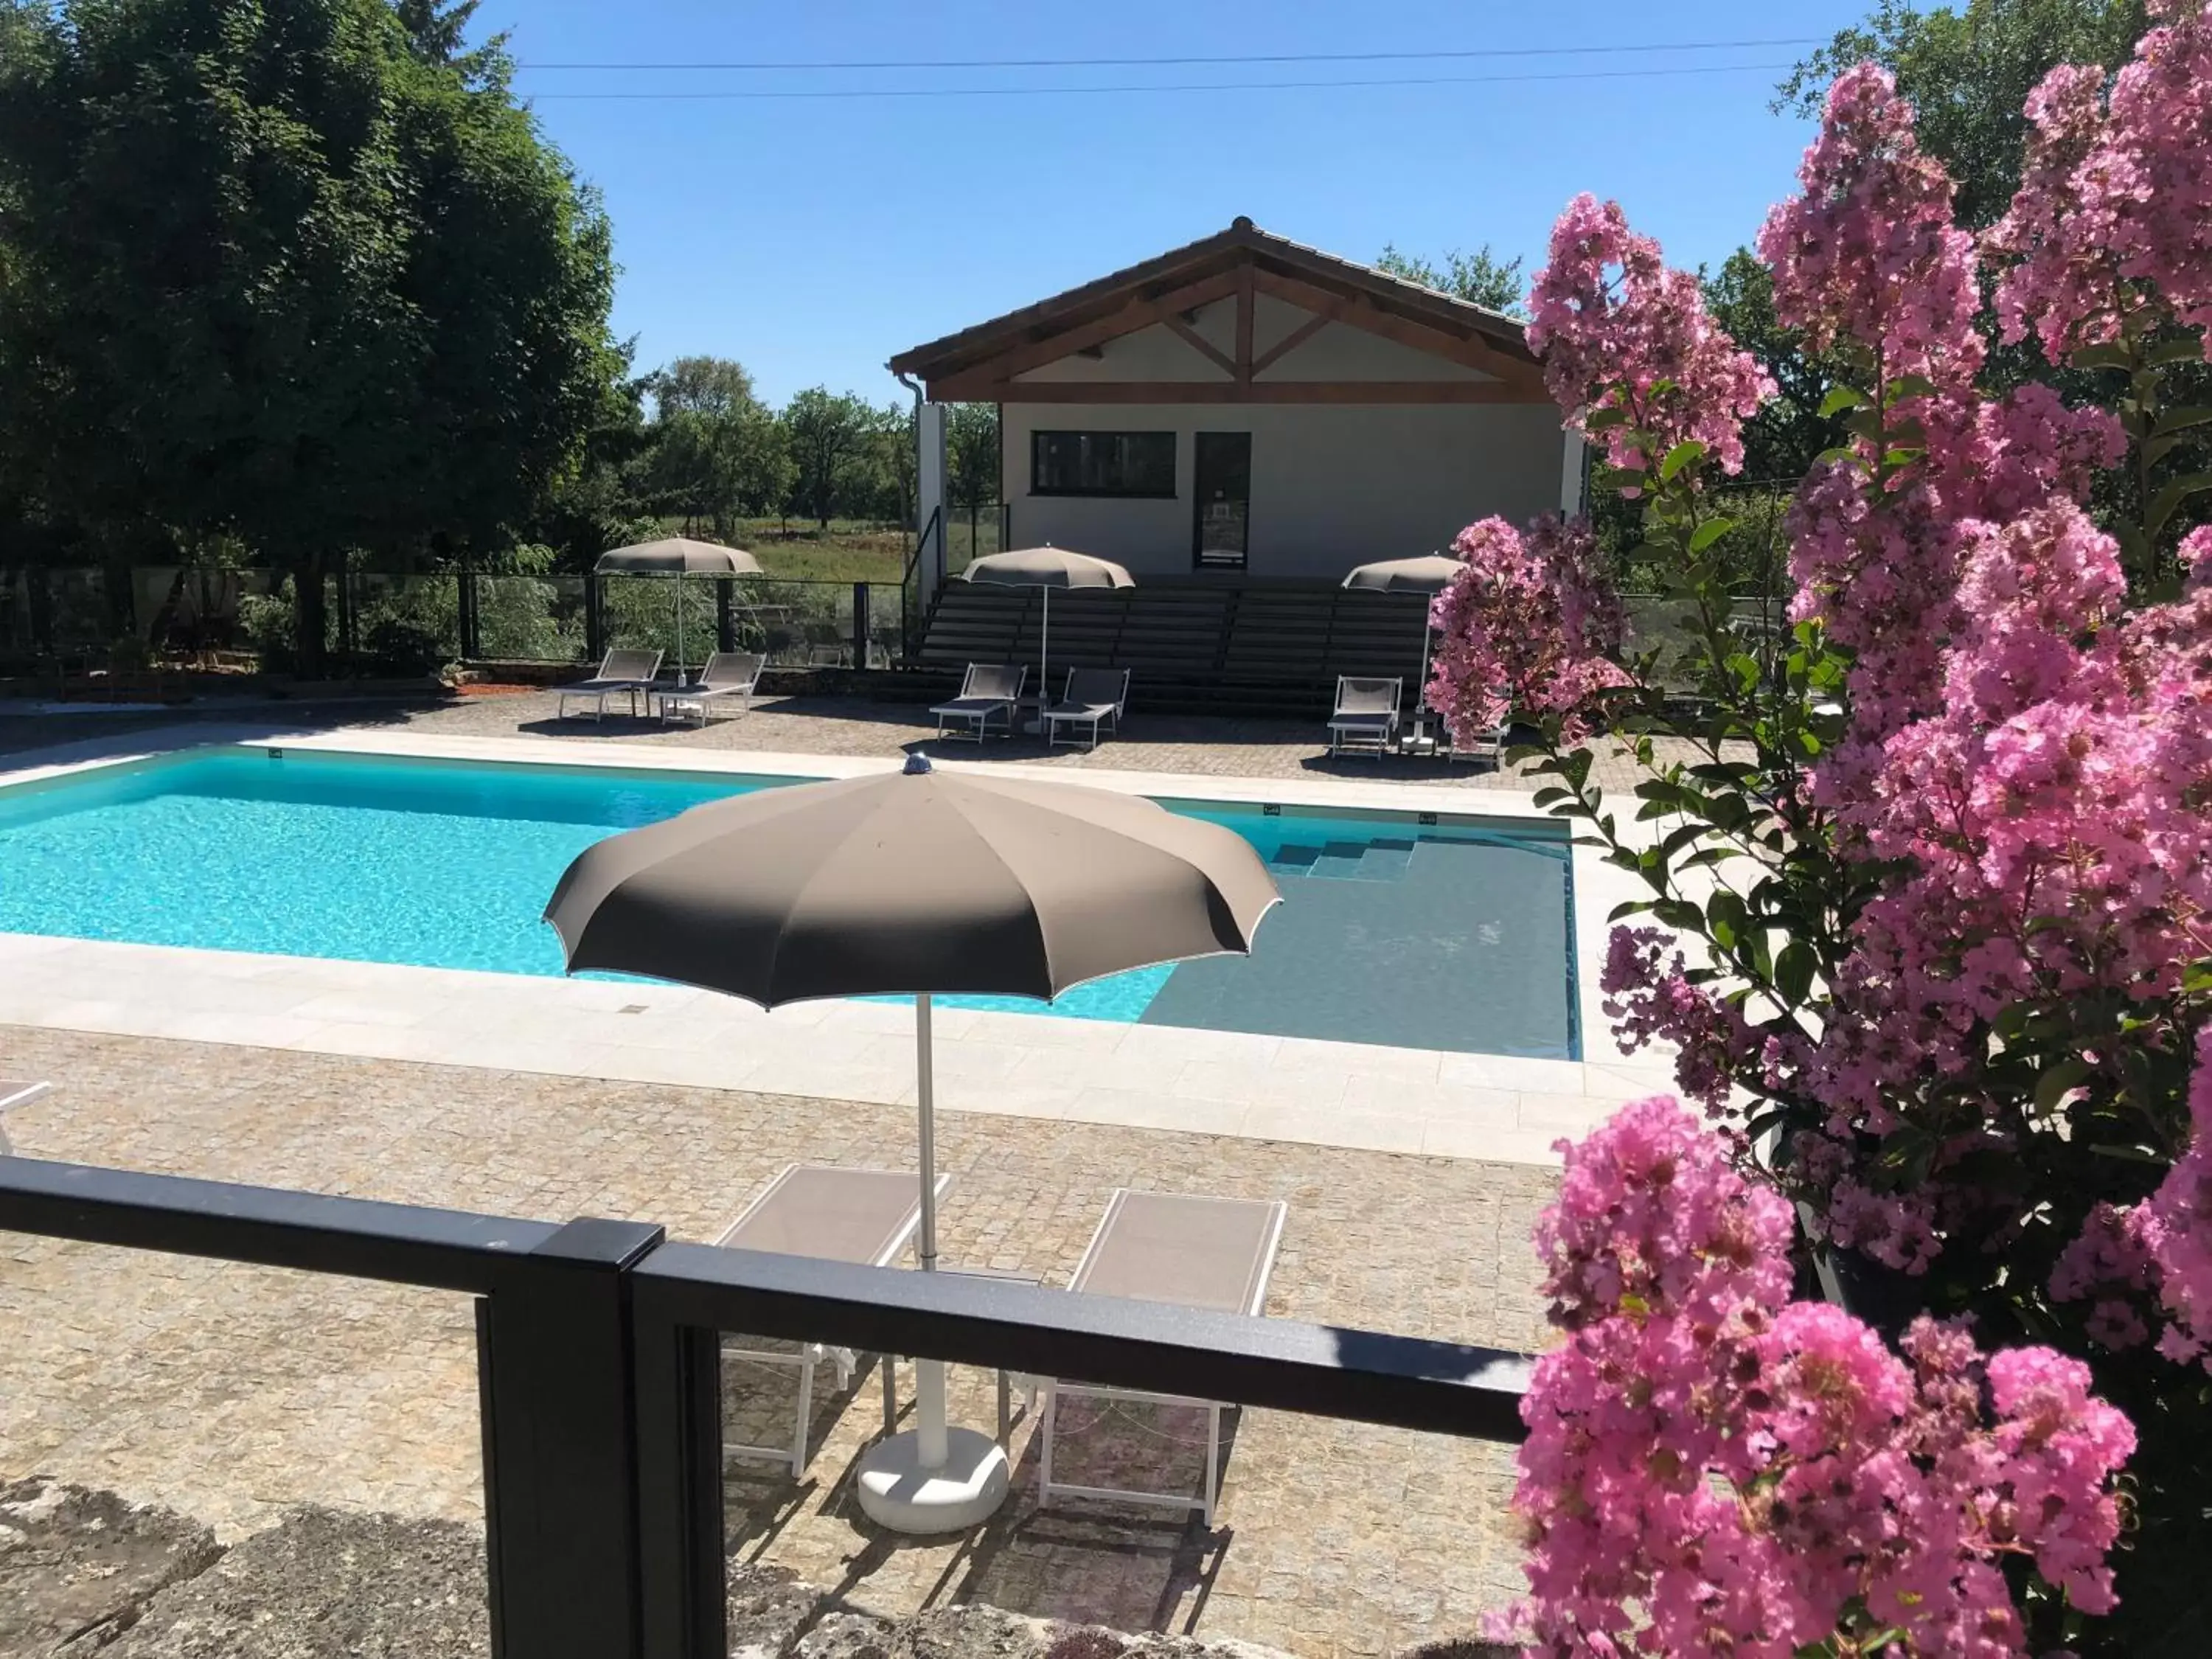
pixel 1239 421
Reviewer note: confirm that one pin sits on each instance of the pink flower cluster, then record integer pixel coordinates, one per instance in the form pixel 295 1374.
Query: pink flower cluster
pixel 2049 819
pixel 1880 574
pixel 2113 217
pixel 1617 331
pixel 2178 1219
pixel 1529 626
pixel 1649 997
pixel 1712 1468
pixel 1868 252
pixel 2111 1263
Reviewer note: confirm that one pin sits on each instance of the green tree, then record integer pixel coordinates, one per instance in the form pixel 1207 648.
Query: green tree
pixel 1781 442
pixel 1968 70
pixel 716 452
pixel 972 454
pixel 279 272
pixel 824 431
pixel 1480 276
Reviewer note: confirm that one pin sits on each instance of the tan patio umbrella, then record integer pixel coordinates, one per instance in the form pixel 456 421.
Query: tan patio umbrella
pixel 1047 568
pixel 678 556
pixel 1429 573
pixel 914 883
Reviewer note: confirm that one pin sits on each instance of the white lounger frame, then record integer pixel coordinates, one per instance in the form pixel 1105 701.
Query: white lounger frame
pixel 12 1095
pixel 808 1355
pixel 1205 1503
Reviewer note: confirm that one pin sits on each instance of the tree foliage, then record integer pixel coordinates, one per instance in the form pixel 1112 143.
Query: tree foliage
pixel 1967 70
pixel 715 452
pixel 829 433
pixel 295 273
pixel 1480 278
pixel 972 454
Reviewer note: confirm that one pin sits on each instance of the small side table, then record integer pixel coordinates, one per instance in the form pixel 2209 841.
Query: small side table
pixel 1008 1380
pixel 14 1092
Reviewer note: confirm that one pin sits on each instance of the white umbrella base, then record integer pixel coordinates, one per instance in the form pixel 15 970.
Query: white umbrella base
pixel 896 1491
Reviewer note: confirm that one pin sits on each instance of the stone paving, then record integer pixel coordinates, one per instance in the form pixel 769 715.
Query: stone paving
pixel 233 1393
pixel 1191 744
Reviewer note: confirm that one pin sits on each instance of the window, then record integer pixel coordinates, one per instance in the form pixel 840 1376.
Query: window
pixel 1102 463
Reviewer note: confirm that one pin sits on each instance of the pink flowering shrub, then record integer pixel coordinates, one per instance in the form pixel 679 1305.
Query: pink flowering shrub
pixel 1713 1467
pixel 1932 880
pixel 1527 625
pixel 1868 253
pixel 2112 230
pixel 1627 345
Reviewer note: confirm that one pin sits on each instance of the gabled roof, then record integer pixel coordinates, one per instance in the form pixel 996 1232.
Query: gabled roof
pixel 1093 306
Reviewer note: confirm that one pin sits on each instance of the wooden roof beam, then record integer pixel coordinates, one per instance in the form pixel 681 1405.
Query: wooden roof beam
pixel 1126 318
pixel 1361 312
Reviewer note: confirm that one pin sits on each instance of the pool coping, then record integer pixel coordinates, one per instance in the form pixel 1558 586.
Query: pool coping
pixel 1367 1096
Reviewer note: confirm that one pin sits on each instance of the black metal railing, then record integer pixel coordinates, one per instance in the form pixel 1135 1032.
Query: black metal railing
pixel 599 1366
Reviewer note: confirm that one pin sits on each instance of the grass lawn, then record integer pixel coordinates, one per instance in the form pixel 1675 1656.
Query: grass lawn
pixel 849 550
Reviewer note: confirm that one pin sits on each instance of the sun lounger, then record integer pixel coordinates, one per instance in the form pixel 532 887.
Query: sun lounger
pixel 15 1092
pixel 728 674
pixel 1366 714
pixel 988 692
pixel 1094 698
pixel 1484 746
pixel 1210 1253
pixel 867 1217
pixel 620 671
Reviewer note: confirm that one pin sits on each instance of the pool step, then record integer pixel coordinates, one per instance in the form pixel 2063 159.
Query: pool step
pixel 1345 861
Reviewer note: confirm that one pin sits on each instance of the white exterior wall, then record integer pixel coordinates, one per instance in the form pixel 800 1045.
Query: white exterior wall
pixel 1333 485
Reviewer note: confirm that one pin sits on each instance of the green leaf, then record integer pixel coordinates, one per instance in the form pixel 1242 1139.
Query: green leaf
pixel 1632 908
pixel 2175 420
pixel 1679 915
pixel 1709 532
pixel 1793 971
pixel 1840 398
pixel 1604 420
pixel 2128 1154
pixel 1679 456
pixel 1548 795
pixel 1902 457
pixel 2188 350
pixel 2102 356
pixel 2057 1078
pixel 1908 385
pixel 2177 491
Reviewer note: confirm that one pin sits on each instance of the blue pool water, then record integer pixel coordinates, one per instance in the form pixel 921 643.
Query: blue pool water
pixel 1452 935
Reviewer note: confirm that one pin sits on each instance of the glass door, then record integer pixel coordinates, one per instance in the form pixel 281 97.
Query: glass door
pixel 1224 493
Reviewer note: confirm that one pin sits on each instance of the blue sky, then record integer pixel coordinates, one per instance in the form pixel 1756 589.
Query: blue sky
pixel 811 238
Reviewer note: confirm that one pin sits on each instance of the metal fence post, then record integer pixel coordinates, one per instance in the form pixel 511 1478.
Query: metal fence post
pixel 560 1446
pixel 859 625
pixel 465 611
pixel 595 619
pixel 682 1588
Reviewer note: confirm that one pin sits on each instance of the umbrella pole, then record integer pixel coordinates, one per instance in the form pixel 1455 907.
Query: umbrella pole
pixel 1044 661
pixel 1421 685
pixel 679 630
pixel 932 1444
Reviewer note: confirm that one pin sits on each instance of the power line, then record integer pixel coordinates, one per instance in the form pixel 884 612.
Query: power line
pixel 1191 63
pixel 1167 86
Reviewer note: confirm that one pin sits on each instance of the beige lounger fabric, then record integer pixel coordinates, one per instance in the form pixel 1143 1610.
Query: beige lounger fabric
pixel 834 1215
pixel 1210 1253
pixel 1198 1252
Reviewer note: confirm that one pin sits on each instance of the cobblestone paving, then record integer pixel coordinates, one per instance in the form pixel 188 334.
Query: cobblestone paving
pixel 230 1392
pixel 835 725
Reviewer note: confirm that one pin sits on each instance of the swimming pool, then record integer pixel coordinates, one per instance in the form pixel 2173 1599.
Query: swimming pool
pixel 1450 933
